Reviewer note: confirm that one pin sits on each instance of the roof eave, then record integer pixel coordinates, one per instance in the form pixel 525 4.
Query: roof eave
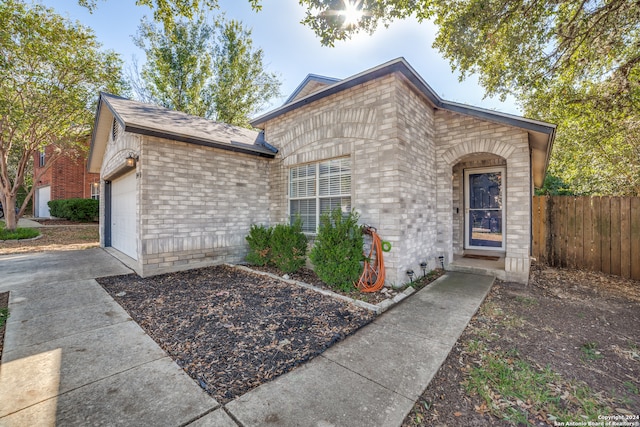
pixel 402 66
pixel 235 147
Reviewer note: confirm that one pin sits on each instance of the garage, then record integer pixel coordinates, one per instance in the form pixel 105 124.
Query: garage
pixel 43 195
pixel 123 215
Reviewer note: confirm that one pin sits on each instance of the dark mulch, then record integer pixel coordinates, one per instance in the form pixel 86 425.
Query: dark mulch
pixel 4 305
pixel 62 222
pixel 231 330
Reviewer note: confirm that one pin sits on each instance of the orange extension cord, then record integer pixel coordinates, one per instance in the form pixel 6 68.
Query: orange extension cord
pixel 372 278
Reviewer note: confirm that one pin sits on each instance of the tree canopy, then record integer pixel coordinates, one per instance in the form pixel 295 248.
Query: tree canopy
pixel 575 63
pixel 169 11
pixel 51 70
pixel 205 69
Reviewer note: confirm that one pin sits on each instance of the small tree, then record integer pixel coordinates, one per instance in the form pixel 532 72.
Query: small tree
pixel 337 253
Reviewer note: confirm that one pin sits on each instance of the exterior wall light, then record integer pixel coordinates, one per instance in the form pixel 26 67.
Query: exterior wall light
pixel 132 158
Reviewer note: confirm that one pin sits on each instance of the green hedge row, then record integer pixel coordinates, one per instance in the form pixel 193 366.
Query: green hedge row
pixel 336 255
pixel 75 209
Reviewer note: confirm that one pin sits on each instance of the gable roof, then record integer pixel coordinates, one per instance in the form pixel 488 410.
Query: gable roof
pixel 313 81
pixel 541 134
pixel 153 120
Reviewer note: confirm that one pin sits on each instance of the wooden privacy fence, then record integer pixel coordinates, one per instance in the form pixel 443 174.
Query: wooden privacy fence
pixel 592 233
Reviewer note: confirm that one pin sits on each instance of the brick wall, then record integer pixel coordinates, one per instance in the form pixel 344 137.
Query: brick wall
pixel 359 123
pixel 68 176
pixel 416 166
pixel 459 139
pixel 387 130
pixel 197 204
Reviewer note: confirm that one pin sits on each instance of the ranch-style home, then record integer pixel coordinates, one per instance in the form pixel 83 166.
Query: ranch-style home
pixel 443 182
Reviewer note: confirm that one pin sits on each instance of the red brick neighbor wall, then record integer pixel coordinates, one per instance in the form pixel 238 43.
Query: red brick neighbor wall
pixel 68 177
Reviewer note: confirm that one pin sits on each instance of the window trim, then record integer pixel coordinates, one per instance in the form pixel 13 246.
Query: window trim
pixel 317 197
pixel 42 159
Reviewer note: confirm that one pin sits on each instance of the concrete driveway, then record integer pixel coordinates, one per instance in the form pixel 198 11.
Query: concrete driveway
pixel 72 356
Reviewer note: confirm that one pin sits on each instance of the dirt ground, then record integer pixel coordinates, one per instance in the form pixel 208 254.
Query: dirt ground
pixel 63 237
pixel 582 326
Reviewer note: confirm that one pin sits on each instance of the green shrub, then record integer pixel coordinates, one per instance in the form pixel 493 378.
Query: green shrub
pixel 259 240
pixel 75 209
pixel 19 233
pixel 282 246
pixel 289 247
pixel 337 253
pixel 57 208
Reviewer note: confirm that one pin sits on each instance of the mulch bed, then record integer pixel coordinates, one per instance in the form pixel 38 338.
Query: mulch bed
pixel 4 303
pixel 231 330
pixel 61 222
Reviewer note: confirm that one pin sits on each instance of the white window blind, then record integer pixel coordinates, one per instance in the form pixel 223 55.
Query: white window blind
pixel 317 188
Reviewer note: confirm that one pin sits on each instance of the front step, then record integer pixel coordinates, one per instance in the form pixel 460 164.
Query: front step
pixel 459 265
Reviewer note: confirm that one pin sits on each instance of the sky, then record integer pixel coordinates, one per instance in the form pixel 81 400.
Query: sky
pixel 292 51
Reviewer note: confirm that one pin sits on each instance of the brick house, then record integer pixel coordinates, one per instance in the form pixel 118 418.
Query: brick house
pixel 441 181
pixel 67 178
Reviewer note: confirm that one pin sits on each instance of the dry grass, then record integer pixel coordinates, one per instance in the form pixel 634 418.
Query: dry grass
pixel 56 239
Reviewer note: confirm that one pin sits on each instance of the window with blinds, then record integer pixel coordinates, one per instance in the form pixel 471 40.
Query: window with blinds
pixel 317 188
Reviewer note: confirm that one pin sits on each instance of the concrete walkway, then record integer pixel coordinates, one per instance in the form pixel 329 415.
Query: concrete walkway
pixel 72 356
pixel 26 223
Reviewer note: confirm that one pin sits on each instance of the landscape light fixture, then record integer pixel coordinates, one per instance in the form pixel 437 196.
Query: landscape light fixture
pixel 423 266
pixel 410 274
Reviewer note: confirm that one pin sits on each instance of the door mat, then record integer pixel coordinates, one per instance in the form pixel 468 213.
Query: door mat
pixel 485 257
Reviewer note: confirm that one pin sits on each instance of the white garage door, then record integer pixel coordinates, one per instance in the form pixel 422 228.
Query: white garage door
pixel 43 196
pixel 123 215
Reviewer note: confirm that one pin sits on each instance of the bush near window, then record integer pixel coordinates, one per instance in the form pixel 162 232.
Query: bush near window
pixel 74 209
pixel 289 247
pixel 259 240
pixel 337 253
pixel 282 246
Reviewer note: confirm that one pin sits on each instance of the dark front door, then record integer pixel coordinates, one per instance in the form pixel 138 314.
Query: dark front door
pixel 484 214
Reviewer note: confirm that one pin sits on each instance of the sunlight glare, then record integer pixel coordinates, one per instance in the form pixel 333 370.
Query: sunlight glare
pixel 352 14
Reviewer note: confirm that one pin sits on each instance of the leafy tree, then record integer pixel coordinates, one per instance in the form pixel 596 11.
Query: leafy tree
pixel 208 70
pixel 575 63
pixel 51 71
pixel 597 148
pixel 241 86
pixel 168 11
pixel 178 70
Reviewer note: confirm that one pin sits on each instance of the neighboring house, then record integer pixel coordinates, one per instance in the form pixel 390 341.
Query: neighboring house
pixel 437 179
pixel 67 178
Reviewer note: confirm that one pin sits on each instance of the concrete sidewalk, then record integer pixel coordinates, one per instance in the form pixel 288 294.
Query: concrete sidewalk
pixel 73 356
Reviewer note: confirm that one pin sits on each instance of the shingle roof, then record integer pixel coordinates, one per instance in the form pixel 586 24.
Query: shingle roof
pixel 148 119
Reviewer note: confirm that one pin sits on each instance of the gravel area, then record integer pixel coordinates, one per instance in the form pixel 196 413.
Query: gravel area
pixel 232 330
